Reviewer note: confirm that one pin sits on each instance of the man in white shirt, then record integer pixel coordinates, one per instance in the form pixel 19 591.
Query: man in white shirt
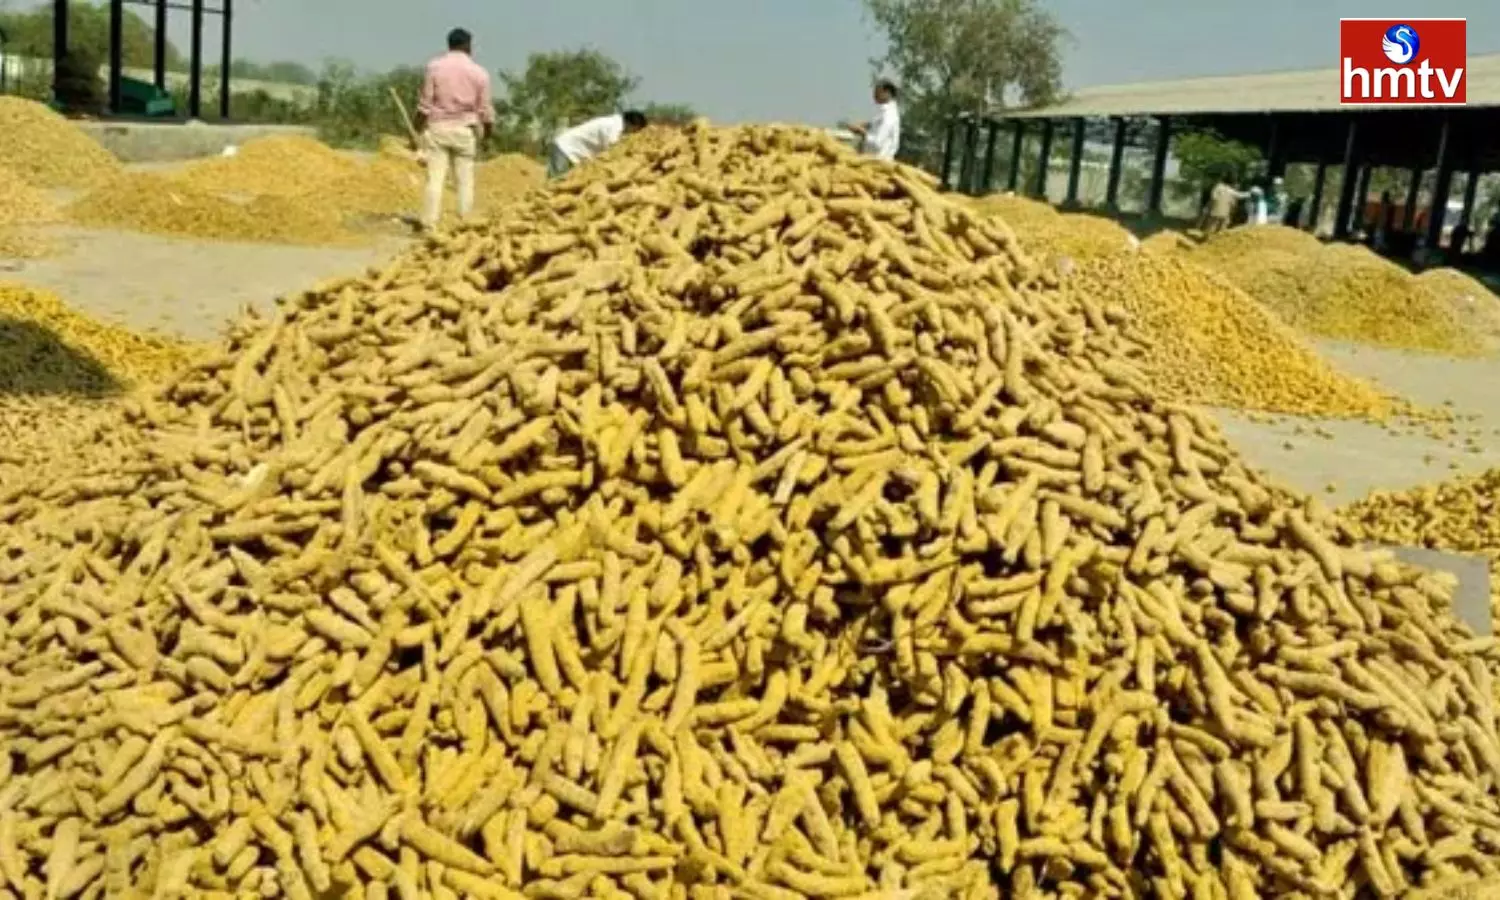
pixel 881 136
pixel 586 141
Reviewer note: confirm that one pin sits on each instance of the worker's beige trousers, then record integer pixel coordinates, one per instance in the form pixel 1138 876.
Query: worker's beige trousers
pixel 448 146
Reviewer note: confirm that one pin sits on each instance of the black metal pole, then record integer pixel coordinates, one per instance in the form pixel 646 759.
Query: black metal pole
pixel 1440 190
pixel 961 162
pixel 1362 196
pixel 1471 185
pixel 1159 165
pixel 226 24
pixel 949 139
pixel 1017 143
pixel 989 157
pixel 1316 211
pixel 195 65
pixel 1075 162
pixel 1413 197
pixel 116 54
pixel 971 157
pixel 59 39
pixel 1349 181
pixel 1043 160
pixel 961 180
pixel 159 57
pixel 1274 164
pixel 1116 160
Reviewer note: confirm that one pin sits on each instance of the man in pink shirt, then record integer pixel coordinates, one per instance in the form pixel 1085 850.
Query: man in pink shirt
pixel 454 113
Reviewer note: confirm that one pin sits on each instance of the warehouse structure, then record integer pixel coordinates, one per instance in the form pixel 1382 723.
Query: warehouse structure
pixel 1293 117
pixel 197 10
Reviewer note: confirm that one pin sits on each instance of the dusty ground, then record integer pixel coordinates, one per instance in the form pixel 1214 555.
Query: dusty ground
pixel 1362 457
pixel 185 287
pixel 178 285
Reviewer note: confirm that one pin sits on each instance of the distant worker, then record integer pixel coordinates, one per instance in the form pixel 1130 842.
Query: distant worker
pixel 881 136
pixel 1222 199
pixel 1257 206
pixel 1385 220
pixel 454 114
pixel 1458 242
pixel 584 142
pixel 1294 208
pixel 1276 200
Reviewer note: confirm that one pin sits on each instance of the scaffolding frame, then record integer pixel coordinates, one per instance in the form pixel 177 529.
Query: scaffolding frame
pixel 198 10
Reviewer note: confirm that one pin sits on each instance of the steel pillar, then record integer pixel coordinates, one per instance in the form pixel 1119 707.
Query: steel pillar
pixel 1362 194
pixel 59 38
pixel 1017 144
pixel 159 55
pixel 1044 160
pixel 1471 187
pixel 226 47
pixel 1350 181
pixel 1315 210
pixel 1075 162
pixel 1159 165
pixel 1275 158
pixel 950 137
pixel 195 65
pixel 116 54
pixel 1440 190
pixel 1413 197
pixel 992 133
pixel 1116 161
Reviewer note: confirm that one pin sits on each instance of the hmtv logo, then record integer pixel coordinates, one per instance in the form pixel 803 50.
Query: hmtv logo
pixel 1409 61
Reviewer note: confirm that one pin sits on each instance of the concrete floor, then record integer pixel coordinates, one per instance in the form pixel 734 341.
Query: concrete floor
pixel 1359 456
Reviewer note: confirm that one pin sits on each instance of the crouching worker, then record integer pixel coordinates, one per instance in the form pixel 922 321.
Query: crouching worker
pixel 588 140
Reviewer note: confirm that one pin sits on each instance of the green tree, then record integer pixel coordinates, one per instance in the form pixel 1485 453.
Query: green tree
pixel 1204 157
pixel 256 105
pixel 558 89
pixel 354 109
pixel 282 72
pixel 964 56
pixel 669 113
pixel 78 85
pixel 29 33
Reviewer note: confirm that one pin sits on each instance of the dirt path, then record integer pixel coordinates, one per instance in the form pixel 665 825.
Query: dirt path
pixel 184 287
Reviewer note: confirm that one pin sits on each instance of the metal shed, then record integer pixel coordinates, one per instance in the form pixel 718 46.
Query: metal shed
pixel 1291 116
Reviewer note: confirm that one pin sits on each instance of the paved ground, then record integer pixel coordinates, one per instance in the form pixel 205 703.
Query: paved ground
pixel 1360 457
pixel 185 287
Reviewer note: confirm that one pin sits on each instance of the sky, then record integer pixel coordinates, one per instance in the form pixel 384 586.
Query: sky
pixel 808 60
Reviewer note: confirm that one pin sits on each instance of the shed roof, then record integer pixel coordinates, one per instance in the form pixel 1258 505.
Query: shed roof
pixel 1307 90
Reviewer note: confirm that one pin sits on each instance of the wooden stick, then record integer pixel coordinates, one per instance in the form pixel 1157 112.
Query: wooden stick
pixel 411 130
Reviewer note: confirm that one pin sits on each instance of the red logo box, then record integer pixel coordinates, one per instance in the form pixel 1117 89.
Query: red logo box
pixel 1403 61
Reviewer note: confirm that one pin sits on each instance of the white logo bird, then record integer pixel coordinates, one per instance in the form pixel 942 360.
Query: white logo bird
pixel 1402 49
